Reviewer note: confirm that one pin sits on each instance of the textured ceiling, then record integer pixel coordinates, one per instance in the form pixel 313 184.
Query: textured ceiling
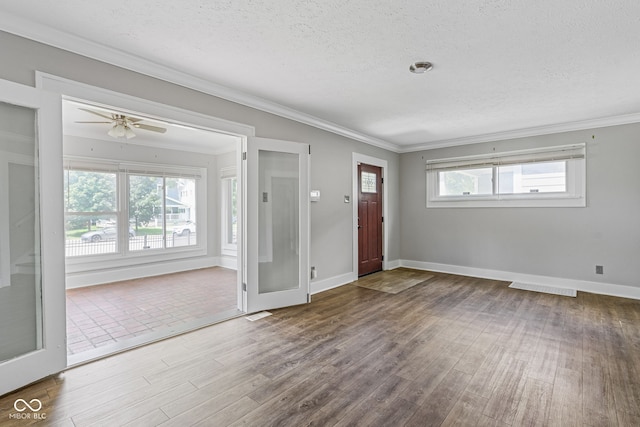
pixel 499 65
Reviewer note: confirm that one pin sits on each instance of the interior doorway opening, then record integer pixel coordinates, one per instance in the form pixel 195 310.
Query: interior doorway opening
pixel 150 228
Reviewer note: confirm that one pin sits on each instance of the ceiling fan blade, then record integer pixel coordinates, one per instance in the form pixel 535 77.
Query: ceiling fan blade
pixel 149 127
pixel 95 122
pixel 134 119
pixel 96 113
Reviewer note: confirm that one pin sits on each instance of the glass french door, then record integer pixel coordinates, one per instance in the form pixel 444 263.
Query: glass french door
pixel 277 223
pixel 32 286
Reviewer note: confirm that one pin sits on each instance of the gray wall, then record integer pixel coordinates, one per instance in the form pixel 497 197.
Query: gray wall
pixel 331 234
pixel 557 242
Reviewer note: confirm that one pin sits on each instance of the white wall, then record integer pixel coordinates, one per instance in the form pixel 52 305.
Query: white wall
pixel 556 242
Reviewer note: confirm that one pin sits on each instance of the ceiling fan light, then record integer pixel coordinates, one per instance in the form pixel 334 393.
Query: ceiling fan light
pixel 117 131
pixel 128 133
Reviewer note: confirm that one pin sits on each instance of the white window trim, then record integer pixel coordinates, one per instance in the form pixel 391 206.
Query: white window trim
pixel 229 249
pixel 575 196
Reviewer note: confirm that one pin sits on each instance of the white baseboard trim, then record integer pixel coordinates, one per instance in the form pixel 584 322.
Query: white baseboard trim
pixel 343 279
pixel 559 282
pixel 99 277
pixel 230 262
pixel 332 282
pixel 392 265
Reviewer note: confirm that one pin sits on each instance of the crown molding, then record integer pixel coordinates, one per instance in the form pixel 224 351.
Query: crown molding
pixel 524 133
pixel 59 39
pixel 65 41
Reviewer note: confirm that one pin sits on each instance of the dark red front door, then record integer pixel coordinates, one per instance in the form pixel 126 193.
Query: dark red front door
pixel 369 219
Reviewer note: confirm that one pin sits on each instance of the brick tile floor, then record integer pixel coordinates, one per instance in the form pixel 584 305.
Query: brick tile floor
pixel 105 314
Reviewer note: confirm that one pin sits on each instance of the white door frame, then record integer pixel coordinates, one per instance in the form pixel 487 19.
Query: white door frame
pixel 374 161
pixel 73 89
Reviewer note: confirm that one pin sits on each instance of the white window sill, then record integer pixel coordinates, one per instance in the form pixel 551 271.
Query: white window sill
pixel 505 202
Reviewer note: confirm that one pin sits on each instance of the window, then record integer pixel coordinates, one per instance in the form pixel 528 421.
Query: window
pixel 127 209
pixel 229 212
pixel 162 212
pixel 91 212
pixel 553 176
pixel 368 184
pixel 465 182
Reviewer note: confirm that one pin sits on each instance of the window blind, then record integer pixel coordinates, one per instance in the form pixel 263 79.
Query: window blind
pixel 228 172
pixel 78 164
pixel 548 154
pixel 161 170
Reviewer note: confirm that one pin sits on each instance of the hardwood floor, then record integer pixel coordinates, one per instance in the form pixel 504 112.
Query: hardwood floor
pixel 449 351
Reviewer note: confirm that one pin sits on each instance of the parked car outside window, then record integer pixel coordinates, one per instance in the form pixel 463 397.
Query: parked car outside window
pixel 109 233
pixel 185 229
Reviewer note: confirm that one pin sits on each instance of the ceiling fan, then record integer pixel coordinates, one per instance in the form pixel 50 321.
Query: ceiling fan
pixel 121 125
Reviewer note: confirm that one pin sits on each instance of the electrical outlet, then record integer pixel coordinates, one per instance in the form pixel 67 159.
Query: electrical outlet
pixel 599 269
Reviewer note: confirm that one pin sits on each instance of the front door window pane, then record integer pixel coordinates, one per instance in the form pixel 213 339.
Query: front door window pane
pixel 368 182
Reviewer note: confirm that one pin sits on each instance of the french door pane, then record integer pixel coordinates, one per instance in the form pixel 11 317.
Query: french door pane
pixel 279 237
pixel 20 281
pixel 32 328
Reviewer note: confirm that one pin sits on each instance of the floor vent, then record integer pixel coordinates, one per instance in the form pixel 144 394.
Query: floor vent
pixel 546 289
pixel 258 316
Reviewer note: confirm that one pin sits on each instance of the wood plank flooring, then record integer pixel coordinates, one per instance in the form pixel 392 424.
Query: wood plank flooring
pixel 394 281
pixel 449 351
